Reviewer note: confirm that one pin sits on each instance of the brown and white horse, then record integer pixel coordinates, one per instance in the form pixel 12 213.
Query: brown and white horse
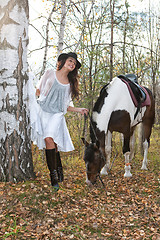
pixel 114 110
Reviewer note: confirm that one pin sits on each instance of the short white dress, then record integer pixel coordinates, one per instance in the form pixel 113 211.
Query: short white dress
pixel 47 112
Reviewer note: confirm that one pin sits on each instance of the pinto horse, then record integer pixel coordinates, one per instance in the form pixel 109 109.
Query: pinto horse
pixel 115 110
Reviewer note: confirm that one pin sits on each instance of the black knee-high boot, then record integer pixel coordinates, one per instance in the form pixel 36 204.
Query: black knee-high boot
pixel 52 166
pixel 59 168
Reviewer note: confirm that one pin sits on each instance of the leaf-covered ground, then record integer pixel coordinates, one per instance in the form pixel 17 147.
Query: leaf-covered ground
pixel 124 209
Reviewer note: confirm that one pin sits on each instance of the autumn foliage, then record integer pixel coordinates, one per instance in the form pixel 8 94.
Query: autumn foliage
pixel 123 209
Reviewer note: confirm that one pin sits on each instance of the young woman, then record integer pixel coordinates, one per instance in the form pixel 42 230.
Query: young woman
pixel 55 92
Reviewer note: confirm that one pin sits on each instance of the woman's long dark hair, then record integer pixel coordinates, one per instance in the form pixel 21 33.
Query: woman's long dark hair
pixel 73 79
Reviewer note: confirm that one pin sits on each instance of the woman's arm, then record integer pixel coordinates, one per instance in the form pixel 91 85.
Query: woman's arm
pixel 37 92
pixel 79 110
pixel 42 84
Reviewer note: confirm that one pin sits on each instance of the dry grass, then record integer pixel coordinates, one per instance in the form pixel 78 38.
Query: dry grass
pixel 125 209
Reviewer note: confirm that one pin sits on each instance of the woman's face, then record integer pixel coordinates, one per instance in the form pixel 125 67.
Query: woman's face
pixel 70 64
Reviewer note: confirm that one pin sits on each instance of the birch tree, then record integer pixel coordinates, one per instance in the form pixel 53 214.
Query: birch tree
pixel 125 37
pixel 62 27
pixel 15 145
pixel 112 8
pixel 47 40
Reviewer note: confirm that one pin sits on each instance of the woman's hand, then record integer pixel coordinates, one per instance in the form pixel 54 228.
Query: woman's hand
pixel 37 92
pixel 83 111
pixel 79 110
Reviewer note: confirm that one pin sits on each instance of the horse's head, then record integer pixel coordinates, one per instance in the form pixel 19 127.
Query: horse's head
pixel 94 161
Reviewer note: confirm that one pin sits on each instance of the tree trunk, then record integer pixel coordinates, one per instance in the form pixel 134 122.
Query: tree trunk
pixel 62 27
pixel 47 41
pixel 124 38
pixel 112 3
pixel 15 144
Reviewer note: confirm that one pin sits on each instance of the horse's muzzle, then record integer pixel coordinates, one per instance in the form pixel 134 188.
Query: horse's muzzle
pixel 92 180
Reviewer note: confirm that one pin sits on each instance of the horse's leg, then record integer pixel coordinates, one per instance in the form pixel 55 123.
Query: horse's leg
pixel 147 128
pixel 108 149
pixel 132 145
pixel 145 148
pixel 126 152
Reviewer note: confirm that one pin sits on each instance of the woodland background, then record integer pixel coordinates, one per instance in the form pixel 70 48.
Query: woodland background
pixel 110 38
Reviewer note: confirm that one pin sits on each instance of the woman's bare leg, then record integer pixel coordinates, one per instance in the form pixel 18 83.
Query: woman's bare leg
pixel 50 144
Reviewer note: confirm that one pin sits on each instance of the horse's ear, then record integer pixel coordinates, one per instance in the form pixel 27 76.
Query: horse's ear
pixel 85 142
pixel 97 144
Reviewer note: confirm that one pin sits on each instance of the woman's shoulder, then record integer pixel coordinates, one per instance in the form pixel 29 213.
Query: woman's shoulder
pixel 50 71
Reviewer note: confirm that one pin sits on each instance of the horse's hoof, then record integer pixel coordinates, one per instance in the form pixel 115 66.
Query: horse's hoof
pixel 104 173
pixel 144 168
pixel 128 175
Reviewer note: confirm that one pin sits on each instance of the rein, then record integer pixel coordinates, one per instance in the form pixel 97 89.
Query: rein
pixel 84 134
pixel 102 155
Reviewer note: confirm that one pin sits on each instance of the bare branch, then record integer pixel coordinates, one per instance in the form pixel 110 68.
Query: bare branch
pixel 37 31
pixel 47 33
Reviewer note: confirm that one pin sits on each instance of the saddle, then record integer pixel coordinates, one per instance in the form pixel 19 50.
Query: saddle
pixel 138 93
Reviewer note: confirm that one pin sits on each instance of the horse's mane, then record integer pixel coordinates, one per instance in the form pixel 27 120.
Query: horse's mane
pixel 100 100
pixel 89 153
pixel 103 88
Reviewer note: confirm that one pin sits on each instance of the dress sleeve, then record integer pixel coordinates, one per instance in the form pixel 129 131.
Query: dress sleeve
pixel 42 82
pixel 71 101
pixel 46 82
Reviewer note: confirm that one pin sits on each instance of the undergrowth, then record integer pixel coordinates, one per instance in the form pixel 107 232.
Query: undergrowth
pixel 121 209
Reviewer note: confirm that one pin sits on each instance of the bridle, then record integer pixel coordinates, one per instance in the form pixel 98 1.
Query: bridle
pixel 85 119
pixel 101 153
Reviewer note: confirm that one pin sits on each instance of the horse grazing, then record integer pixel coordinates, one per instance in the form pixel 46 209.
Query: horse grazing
pixel 115 110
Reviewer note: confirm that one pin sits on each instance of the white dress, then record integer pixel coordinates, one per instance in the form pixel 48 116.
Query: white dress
pixel 47 113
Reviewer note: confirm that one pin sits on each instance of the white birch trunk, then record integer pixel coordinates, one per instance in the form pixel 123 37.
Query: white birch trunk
pixel 62 27
pixel 15 145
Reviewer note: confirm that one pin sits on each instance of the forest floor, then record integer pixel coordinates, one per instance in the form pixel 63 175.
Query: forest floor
pixel 126 208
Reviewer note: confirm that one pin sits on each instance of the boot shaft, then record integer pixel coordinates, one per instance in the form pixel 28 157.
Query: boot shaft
pixel 54 178
pixel 52 166
pixel 59 168
pixel 51 159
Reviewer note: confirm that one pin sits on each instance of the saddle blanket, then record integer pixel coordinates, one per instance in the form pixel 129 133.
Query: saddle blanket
pixel 147 101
